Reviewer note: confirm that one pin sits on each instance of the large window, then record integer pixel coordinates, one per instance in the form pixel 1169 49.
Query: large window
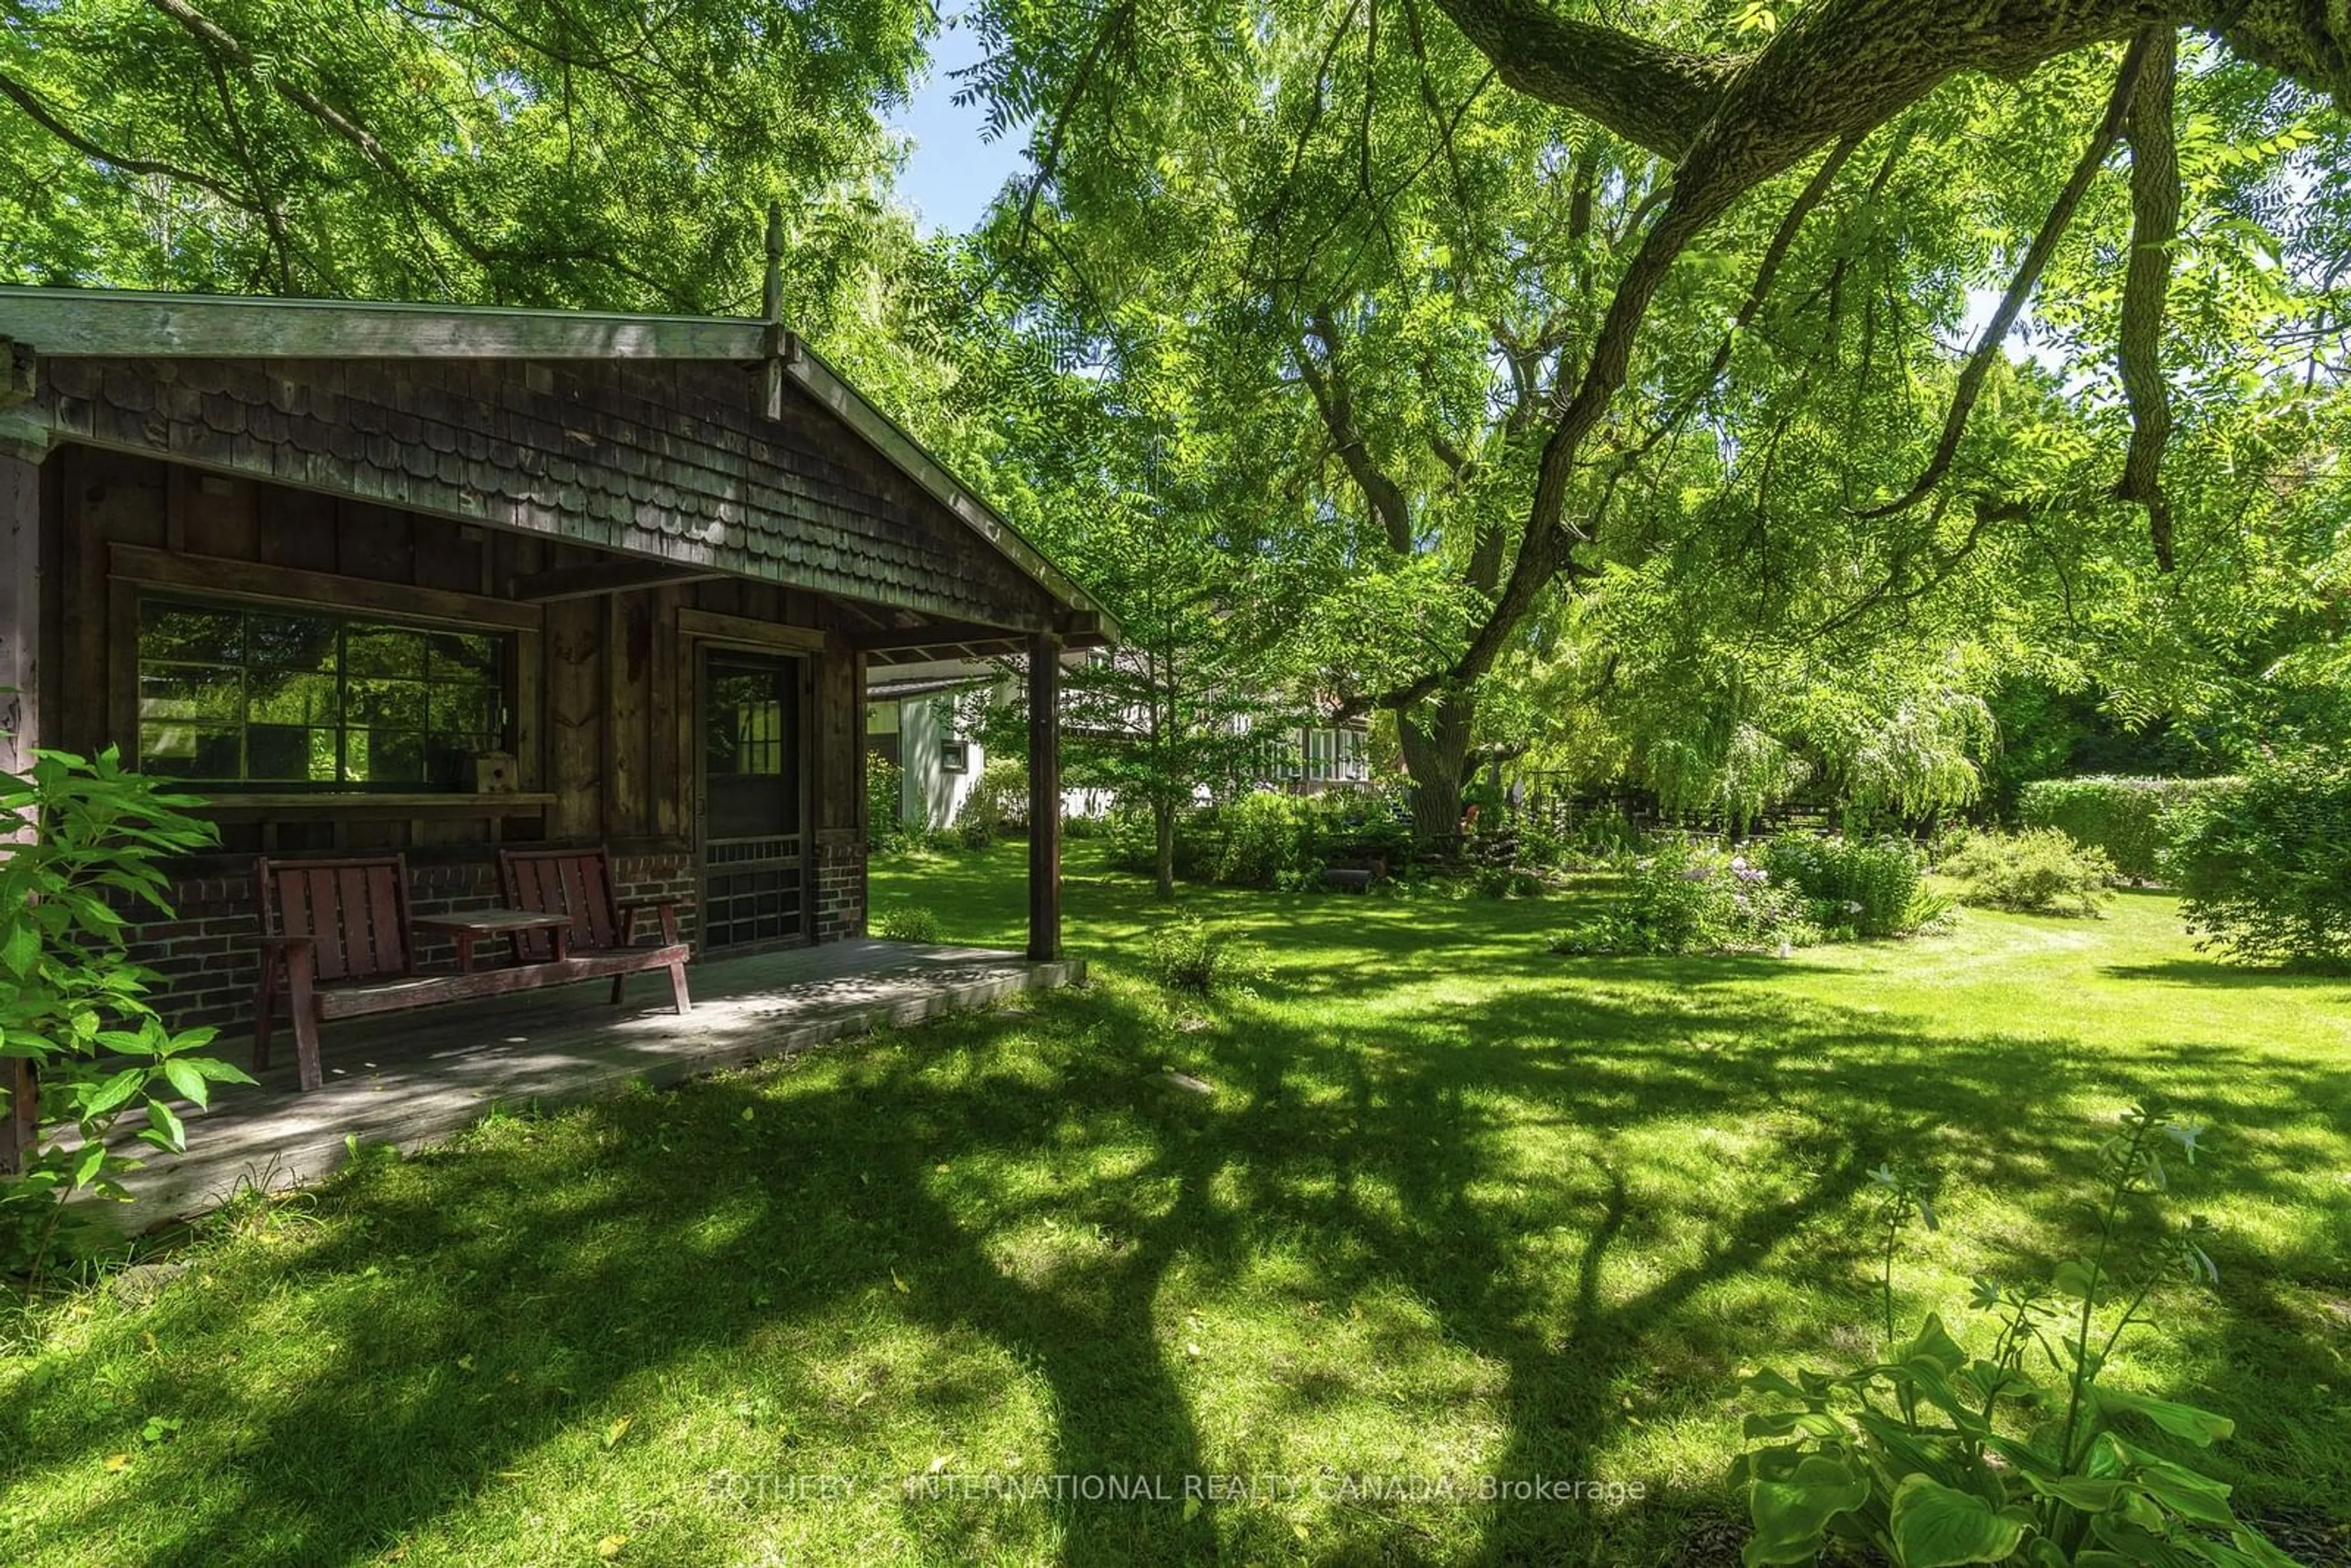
pixel 237 694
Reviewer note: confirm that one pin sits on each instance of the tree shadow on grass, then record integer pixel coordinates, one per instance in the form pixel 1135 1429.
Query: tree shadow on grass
pixel 2215 974
pixel 1509 1165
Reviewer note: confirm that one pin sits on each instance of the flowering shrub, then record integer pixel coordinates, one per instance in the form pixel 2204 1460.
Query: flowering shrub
pixel 1855 887
pixel 1684 899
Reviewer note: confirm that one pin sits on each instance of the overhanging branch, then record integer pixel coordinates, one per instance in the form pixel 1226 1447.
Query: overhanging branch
pixel 2155 224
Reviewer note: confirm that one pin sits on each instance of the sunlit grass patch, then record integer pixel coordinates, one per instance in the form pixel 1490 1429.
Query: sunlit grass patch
pixel 1432 1205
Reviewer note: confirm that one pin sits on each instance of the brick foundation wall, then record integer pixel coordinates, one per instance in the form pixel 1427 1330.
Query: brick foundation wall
pixel 206 964
pixel 840 885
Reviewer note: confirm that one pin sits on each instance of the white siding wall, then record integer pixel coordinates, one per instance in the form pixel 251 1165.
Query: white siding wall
pixel 932 796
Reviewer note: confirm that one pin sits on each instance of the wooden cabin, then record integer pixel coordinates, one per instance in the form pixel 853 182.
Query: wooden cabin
pixel 377 576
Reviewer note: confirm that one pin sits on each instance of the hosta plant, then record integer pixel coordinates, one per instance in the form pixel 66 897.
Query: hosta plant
pixel 2023 1452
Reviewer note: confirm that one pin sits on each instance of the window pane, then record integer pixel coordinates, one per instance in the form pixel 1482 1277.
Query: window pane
pixel 461 711
pixel 289 753
pixel 229 694
pixel 305 699
pixel 189 751
pixel 463 657
pixel 190 694
pixel 444 758
pixel 168 631
pixel 747 724
pixel 384 757
pixel 384 651
pixel 289 644
pixel 398 704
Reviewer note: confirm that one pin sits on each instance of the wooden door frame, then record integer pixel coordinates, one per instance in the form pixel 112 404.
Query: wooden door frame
pixel 801 662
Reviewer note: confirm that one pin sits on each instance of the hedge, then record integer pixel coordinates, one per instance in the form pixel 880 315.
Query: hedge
pixel 2265 873
pixel 2123 817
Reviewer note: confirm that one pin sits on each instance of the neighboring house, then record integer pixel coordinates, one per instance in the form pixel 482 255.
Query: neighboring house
pixel 1308 761
pixel 914 719
pixel 377 577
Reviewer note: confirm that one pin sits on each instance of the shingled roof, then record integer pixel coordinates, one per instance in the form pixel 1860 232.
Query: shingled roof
pixel 703 442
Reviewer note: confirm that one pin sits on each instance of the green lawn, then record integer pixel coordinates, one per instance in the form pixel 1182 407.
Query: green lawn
pixel 1455 1210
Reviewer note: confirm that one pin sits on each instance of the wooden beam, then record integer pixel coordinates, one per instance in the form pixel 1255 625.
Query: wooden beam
pixel 312 590
pixel 82 322
pixel 22 571
pixel 747 632
pixel 1044 799
pixel 938 635
pixel 598 578
pixel 20 1127
pixel 21 579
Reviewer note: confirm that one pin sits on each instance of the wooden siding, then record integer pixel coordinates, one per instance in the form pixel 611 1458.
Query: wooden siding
pixel 656 459
pixel 601 698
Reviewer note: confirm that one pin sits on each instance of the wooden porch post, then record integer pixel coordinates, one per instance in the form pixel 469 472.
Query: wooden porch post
pixel 20 647
pixel 1044 798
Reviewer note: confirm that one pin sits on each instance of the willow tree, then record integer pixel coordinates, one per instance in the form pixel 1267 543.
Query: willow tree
pixel 1540 298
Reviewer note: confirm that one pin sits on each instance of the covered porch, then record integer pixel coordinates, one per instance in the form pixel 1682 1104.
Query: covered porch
pixel 414 1078
pixel 439 583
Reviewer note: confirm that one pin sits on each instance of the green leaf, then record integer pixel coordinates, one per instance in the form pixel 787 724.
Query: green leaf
pixel 88 1160
pixel 1932 1344
pixel 22 950
pixel 2200 1427
pixel 170 1131
pixel 114 1094
pixel 2091 1494
pixel 1779 1423
pixel 220 1071
pixel 1936 1526
pixel 190 1083
pixel 2075 1279
pixel 1791 1516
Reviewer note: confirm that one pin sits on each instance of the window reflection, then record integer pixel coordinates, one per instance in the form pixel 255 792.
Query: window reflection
pixel 229 694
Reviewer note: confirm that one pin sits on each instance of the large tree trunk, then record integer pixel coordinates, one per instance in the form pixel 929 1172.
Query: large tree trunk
pixel 1434 737
pixel 1163 825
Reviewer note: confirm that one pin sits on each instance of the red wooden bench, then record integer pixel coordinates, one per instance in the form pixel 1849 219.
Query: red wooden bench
pixel 578 884
pixel 338 940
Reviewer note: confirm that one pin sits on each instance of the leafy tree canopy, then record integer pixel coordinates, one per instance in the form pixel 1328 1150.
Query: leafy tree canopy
pixel 1702 310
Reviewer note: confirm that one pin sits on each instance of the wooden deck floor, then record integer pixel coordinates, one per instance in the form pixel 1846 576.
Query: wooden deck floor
pixel 414 1077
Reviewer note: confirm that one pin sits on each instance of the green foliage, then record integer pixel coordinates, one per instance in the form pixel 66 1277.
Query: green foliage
pixel 1933 1455
pixel 1688 899
pixel 996 804
pixel 1504 865
pixel 1857 887
pixel 2040 870
pixel 1268 840
pixel 77 839
pixel 584 155
pixel 2123 817
pixel 885 826
pixel 2265 869
pixel 906 923
pixel 1185 953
